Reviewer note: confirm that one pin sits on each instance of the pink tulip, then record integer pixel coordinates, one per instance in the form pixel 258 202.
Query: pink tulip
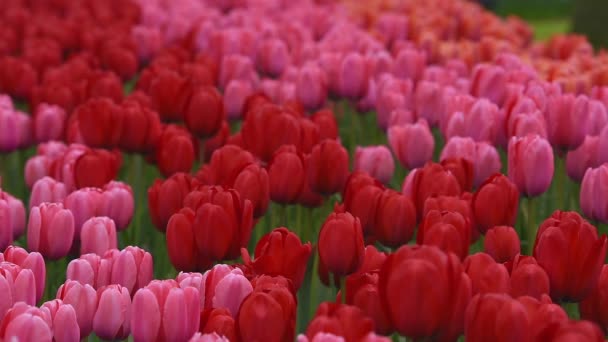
pixel 428 100
pixel 32 261
pixel 6 230
pixel 584 157
pixel 353 76
pixel 311 87
pixel 598 117
pixel 566 117
pixel 392 27
pixel 377 161
pixel 213 337
pixel 453 103
pixel 235 94
pixel 6 103
pixel 117 203
pixel 84 300
pixel 16 285
pixel 523 124
pixel 413 144
pixel 593 199
pixel 36 168
pixel 164 312
pixel 392 94
pixel 49 190
pixel 16 212
pixel 50 230
pixel 400 117
pixel 489 81
pixel 132 268
pixel 98 234
pixel 64 322
pixel 148 42
pixel 602 147
pixel 220 287
pixel 530 164
pixel 236 67
pixel 91 269
pixel 49 121
pixel 409 63
pixel 482 122
pixel 483 156
pixel 83 204
pixel 112 318
pixel 27 327
pixel 13 134
pixel 272 57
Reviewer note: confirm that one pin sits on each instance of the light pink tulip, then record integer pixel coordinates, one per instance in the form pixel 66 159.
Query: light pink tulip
pixel 132 268
pixel 98 234
pixel 523 124
pixel 489 81
pixel 593 195
pixel 482 122
pixel 91 269
pixel 49 122
pixel 36 168
pixel 32 261
pixel 112 320
pixel 272 57
pixel 83 204
pixel 377 161
pixel 84 300
pixel 428 100
pixel 64 322
pixel 49 190
pixel 16 285
pixel 311 87
pixel 27 327
pixel 409 63
pixel 117 203
pixel 413 144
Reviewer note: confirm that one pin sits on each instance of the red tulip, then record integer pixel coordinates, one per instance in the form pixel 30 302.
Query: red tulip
pixel 181 246
pixel 218 321
pixel 172 191
pixel 486 275
pixel 462 169
pixel 225 166
pixel 341 246
pixel 287 176
pixel 168 91
pixel 575 331
pixel 328 127
pixel 414 311
pixel 572 253
pixel 527 277
pixel 280 252
pixel 362 292
pixel 141 127
pixel 460 205
pixel 95 168
pixel 347 321
pixel 495 317
pixel 204 112
pixel 395 219
pixel 361 197
pixel 450 231
pixel 502 243
pixel 175 151
pixel 328 167
pixel 504 198
pixel 594 307
pixel 100 122
pixel 429 181
pixel 252 183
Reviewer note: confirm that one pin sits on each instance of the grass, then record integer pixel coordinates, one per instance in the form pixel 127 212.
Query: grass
pixel 546 28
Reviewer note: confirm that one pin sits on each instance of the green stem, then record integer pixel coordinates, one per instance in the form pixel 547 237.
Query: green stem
pixel 283 216
pixel 531 225
pixel 571 309
pixel 560 183
pixel 314 284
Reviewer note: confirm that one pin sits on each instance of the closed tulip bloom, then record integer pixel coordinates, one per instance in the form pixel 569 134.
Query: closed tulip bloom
pixel 113 314
pixel 482 122
pixel 181 246
pixel 172 191
pixel 501 243
pixel 175 151
pixel 98 234
pixel 13 131
pixel 252 183
pixel 409 63
pixel 346 229
pixel 482 155
pixel 362 292
pixel 395 219
pixel 602 148
pixel 204 112
pixel 450 231
pixel 63 319
pixel 347 321
pixel 225 166
pixel 326 121
pixel 377 161
pixel 530 164
pixel 100 122
pixel 236 67
pixel 584 157
pixel 83 204
pixel 414 311
pixel 95 168
pixel 564 113
pixel 593 202
pixel 280 253
pixel 235 94
pixel 91 269
pixel 84 300
pixel 132 268
pixel 27 327
pixel 287 175
pixel 487 276
pixel 528 278
pixel 594 307
pixel 431 180
pixel 50 230
pixel 47 189
pixel 49 121
pixel 353 76
pixel 575 330
pixel 311 87
pixel 412 144
pixel 400 117
pixel 36 168
pixel 328 167
pixel 490 82
pixel 32 261
pixel 273 56
pixel 212 337
pixel 141 127
pixel 18 285
pixel 572 253
pixel 504 198
pixel 218 321
pixel 117 203
pixel 523 124
pixel 164 312
pixel 429 101
pixel 486 310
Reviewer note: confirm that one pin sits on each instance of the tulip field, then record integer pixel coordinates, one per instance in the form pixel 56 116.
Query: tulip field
pixel 311 171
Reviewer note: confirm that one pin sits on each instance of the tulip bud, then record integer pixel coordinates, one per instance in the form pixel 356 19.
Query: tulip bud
pixel 412 144
pixel 377 161
pixel 530 164
pixel 328 167
pixel 501 243
pixel 84 300
pixel 111 320
pixel 98 234
pixel 496 188
pixel 348 257
pixel 50 230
